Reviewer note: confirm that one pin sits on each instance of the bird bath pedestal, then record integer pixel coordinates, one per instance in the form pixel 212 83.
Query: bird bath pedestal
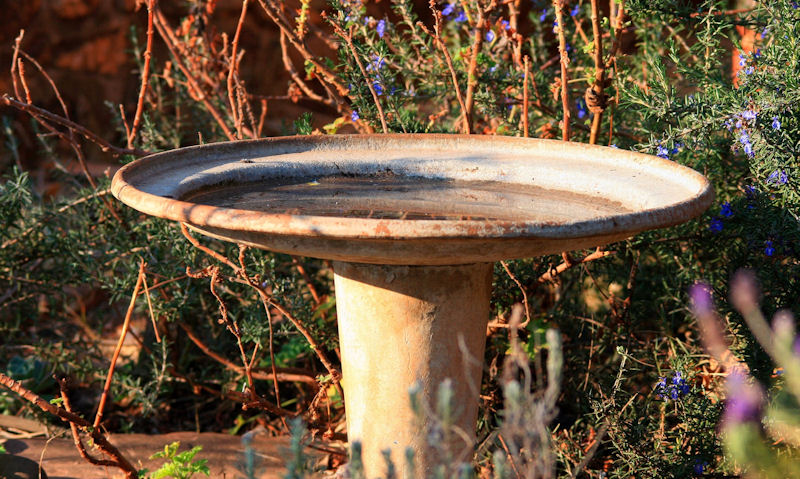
pixel 413 224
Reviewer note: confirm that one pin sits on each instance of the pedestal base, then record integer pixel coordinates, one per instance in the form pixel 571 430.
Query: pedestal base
pixel 400 326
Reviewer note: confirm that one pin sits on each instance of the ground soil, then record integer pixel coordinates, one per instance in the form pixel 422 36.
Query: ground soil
pixel 225 454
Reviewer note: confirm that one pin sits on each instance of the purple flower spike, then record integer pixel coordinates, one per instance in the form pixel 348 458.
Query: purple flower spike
pixel 744 400
pixel 776 123
pixel 769 250
pixel 702 300
pixel 748 115
pixel 354 116
pixel 448 9
pixel 381 28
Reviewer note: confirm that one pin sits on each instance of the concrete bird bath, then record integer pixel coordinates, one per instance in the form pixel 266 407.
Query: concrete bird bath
pixel 413 224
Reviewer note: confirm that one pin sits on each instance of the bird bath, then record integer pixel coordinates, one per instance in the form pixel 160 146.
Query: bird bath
pixel 413 224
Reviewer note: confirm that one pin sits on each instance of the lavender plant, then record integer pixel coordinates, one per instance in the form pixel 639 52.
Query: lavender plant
pixel 639 397
pixel 760 425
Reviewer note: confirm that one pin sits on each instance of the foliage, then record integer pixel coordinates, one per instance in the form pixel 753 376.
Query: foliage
pixel 179 465
pixel 639 396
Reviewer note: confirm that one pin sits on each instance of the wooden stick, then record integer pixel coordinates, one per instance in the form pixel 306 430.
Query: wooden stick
pixel 597 89
pixel 237 120
pixel 81 130
pixel 570 263
pixel 95 433
pixel 525 98
pixel 349 40
pixel 125 325
pixel 562 48
pixel 165 31
pixel 148 52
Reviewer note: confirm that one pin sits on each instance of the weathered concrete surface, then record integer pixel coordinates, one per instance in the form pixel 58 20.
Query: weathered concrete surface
pixel 402 325
pixel 225 454
pixel 641 192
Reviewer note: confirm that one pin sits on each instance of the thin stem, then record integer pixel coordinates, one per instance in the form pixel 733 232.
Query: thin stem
pixel 234 64
pixel 126 323
pixel 81 130
pixel 595 95
pixel 558 5
pixel 97 436
pixel 148 53
pixel 449 60
pixel 525 98
pixel 349 40
pixel 571 263
pixel 166 34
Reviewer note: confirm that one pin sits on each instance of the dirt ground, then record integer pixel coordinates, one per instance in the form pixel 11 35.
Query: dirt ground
pixel 225 454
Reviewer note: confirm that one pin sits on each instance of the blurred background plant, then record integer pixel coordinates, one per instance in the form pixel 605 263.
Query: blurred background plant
pixel 245 338
pixel 761 423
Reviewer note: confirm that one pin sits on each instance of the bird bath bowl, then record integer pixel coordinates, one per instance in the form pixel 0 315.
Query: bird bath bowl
pixel 413 224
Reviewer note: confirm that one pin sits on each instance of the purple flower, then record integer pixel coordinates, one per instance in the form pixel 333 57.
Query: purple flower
pixel 744 400
pixel 575 10
pixel 461 18
pixel 543 16
pixel 748 115
pixel 377 63
pixel 505 25
pixel 776 123
pixel 699 466
pixel 748 149
pixel 702 300
pixel 581 106
pixel 675 390
pixel 716 225
pixel 728 124
pixel 742 61
pixel 448 9
pixel 376 85
pixel 490 36
pixel 726 210
pixel 381 28
pixel 354 116
pixel 662 152
pixel 769 250
pixel 778 177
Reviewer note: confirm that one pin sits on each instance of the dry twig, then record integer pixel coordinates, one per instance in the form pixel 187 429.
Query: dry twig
pixel 148 53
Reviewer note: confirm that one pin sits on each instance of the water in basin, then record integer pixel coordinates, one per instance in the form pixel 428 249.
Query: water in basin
pixel 407 198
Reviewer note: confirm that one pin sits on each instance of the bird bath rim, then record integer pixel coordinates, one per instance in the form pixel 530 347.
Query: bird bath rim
pixel 414 241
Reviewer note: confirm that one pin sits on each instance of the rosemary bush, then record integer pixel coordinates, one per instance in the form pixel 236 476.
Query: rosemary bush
pixel 692 81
